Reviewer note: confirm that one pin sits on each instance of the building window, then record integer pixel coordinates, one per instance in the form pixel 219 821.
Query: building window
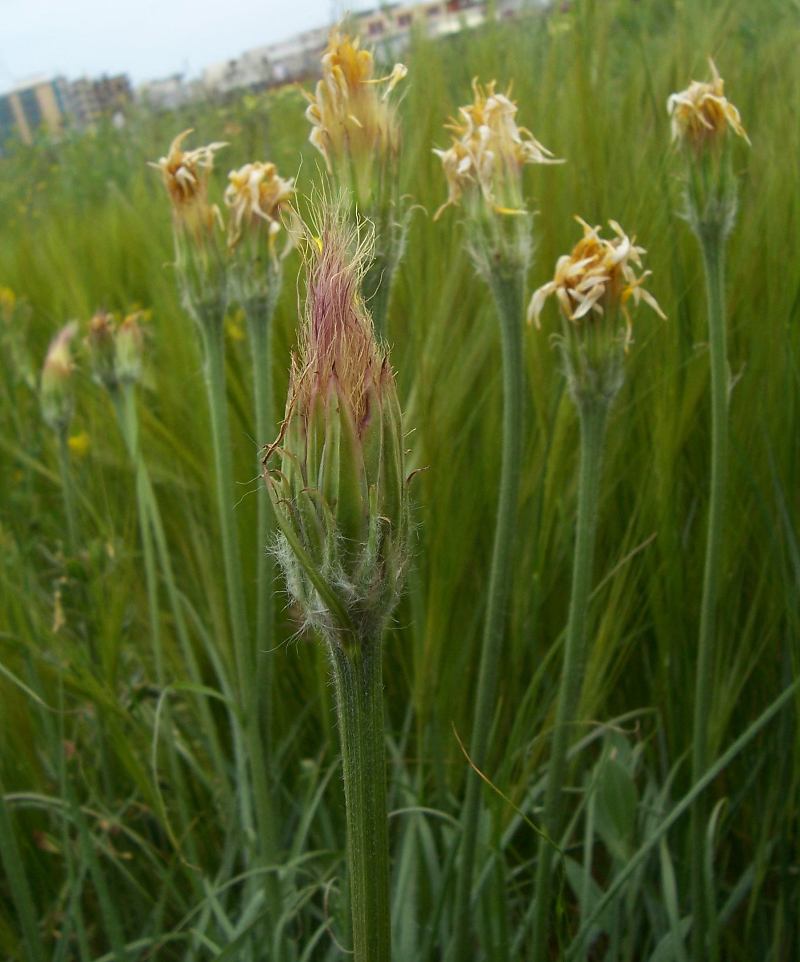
pixel 404 20
pixel 375 28
pixel 434 11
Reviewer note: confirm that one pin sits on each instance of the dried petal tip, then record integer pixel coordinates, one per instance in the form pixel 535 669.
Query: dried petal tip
pixel 256 194
pixel 701 114
pixel 186 174
pixel 489 150
pixel 596 278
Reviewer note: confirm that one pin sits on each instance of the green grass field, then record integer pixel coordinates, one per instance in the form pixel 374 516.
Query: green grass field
pixel 120 835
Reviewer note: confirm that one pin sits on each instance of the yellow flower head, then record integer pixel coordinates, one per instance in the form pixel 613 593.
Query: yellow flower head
pixel 597 276
pixel 352 123
pixel 489 151
pixel 79 444
pixel 186 174
pixel 701 114
pixel 255 195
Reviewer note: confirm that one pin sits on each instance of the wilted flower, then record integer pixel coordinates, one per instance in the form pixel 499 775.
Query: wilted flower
pixel 340 490
pixel 255 195
pixel 489 151
pixel 100 344
pixel 701 114
pixel 598 276
pixel 56 389
pixel 186 175
pixel 354 126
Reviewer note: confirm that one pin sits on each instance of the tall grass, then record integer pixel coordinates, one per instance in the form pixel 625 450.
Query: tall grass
pixel 119 783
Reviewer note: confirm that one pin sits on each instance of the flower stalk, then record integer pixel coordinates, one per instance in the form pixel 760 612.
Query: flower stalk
pixel 336 479
pixel 483 167
pixel 594 286
pixel 702 122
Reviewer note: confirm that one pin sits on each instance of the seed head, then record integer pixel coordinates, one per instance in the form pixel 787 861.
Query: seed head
pixel 353 125
pixel 597 277
pixel 186 174
pixel 701 114
pixel 488 152
pixel 255 195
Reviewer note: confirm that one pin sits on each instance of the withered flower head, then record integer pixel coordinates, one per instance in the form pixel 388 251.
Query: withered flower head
pixel 701 114
pixel 354 125
pixel 255 195
pixel 489 150
pixel 186 174
pixel 56 390
pixel 598 277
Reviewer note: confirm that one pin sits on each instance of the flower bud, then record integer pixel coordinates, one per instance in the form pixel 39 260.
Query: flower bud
pixel 339 487
pixel 595 285
pixel 56 384
pixel 129 349
pixel 100 343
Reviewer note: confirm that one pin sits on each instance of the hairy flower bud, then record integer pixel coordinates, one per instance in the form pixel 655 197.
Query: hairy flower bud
pixel 336 471
pixel 100 344
pixel 56 383
pixel 129 349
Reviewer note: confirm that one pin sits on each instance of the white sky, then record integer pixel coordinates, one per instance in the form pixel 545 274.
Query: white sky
pixel 145 38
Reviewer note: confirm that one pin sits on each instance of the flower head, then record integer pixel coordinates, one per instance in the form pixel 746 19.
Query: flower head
pixel 56 389
pixel 701 114
pixel 186 174
pixel 598 276
pixel 255 195
pixel 354 126
pixel 339 489
pixel 489 150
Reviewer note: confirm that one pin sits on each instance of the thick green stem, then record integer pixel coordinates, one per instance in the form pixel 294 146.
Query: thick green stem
pixel 66 491
pixel 593 414
pixel 712 243
pixel 507 288
pixel 358 685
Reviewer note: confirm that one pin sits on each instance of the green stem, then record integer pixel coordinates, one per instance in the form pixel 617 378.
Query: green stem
pixel 508 290
pixel 593 414
pixel 66 491
pixel 711 242
pixel 358 685
pixel 261 835
pixel 259 312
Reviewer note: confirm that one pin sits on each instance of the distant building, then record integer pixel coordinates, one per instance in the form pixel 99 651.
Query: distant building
pixel 166 93
pixel 39 103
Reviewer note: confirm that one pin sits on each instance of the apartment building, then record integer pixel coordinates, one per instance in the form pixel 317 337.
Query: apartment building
pixel 26 108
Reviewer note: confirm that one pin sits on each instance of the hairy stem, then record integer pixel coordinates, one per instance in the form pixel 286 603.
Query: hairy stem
pixel 711 242
pixel 358 684
pixel 593 414
pixel 66 491
pixel 507 287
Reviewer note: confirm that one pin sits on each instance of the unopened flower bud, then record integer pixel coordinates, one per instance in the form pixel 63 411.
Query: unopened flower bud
pixel 336 471
pixel 56 384
pixel 129 349
pixel 100 344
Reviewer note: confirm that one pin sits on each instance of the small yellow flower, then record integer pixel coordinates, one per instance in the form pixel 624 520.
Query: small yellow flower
pixel 597 276
pixel 234 328
pixel 256 193
pixel 701 114
pixel 79 444
pixel 352 124
pixel 186 175
pixel 489 151
pixel 8 300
